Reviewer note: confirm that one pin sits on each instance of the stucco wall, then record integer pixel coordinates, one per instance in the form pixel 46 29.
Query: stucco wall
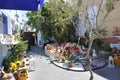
pixel 4 48
pixel 113 19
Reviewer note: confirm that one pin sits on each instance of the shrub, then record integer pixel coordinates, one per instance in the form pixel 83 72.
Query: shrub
pixel 107 48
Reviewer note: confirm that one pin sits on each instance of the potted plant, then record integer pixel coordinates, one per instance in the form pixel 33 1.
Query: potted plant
pixel 17 54
pixel 20 72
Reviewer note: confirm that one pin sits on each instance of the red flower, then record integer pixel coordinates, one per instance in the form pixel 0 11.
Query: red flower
pixel 27 59
pixel 115 50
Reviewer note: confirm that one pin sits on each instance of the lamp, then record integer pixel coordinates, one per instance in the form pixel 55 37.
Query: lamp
pixel 34 35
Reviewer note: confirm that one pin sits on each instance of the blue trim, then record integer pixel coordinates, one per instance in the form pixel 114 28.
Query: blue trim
pixel 5 24
pixel 31 5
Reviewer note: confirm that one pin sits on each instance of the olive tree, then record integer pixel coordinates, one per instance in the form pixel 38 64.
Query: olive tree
pixel 91 19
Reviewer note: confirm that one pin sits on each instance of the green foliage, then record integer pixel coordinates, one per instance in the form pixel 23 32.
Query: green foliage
pixel 106 55
pixel 97 43
pixel 53 20
pixel 109 5
pixel 17 54
pixel 6 63
pixel 34 19
pixel 107 48
pixel 17 37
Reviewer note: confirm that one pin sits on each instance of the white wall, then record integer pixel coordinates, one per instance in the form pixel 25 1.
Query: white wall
pixel 4 48
pixel 1 24
pixel 9 23
pixel 1 27
pixel 10 26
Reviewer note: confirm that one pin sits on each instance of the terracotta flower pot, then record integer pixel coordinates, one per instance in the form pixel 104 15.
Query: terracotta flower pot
pixel 70 64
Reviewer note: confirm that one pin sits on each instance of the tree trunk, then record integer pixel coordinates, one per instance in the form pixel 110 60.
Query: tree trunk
pixel 89 59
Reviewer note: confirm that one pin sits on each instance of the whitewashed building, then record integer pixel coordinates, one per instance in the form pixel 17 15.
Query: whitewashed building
pixel 6 27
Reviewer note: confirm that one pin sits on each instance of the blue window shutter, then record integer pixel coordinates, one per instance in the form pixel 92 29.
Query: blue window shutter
pixel 5 24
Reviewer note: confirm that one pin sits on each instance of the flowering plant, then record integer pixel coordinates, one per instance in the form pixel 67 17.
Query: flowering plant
pixel 16 65
pixel 22 72
pixel 115 50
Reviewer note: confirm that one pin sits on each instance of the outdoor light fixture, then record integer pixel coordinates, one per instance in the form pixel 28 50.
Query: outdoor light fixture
pixel 33 34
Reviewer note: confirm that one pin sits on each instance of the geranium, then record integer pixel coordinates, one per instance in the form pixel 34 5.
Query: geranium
pixel 115 50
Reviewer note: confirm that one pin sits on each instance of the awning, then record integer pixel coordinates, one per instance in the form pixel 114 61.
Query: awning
pixel 30 5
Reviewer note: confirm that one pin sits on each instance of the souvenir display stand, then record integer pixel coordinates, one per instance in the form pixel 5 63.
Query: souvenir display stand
pixel 6 43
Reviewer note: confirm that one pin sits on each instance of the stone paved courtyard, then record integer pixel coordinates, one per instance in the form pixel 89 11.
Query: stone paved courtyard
pixel 47 71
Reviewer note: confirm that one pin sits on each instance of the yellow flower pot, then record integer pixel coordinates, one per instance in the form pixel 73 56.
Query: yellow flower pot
pixel 22 74
pixel 117 60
